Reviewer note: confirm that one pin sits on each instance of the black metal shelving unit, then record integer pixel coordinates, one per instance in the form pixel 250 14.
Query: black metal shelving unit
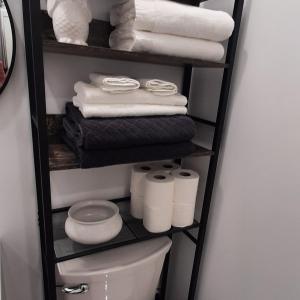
pixel 51 154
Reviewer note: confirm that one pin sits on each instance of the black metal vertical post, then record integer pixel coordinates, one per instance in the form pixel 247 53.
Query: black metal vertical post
pixel 36 85
pixel 186 80
pixel 186 86
pixel 225 89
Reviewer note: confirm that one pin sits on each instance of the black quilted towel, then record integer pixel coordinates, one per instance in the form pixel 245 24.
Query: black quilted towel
pixel 112 133
pixel 101 158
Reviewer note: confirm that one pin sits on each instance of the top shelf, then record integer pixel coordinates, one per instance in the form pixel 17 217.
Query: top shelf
pixel 107 53
pixel 98 47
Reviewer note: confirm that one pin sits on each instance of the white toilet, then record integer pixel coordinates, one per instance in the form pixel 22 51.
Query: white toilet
pixel 126 273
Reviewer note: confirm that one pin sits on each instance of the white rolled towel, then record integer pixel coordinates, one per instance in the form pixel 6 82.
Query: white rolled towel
pixel 70 20
pixel 159 87
pixel 129 110
pixel 89 94
pixel 169 17
pixel 127 39
pixel 114 84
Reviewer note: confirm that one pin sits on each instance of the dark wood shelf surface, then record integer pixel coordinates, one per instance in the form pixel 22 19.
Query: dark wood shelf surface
pixel 62 158
pixel 101 52
pixel 99 47
pixel 133 231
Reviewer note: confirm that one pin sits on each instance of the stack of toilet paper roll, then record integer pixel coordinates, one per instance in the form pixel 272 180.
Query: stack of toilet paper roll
pixel 163 197
pixel 137 188
pixel 158 202
pixel 185 195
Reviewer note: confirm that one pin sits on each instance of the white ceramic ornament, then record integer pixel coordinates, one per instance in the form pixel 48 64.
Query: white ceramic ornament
pixel 71 20
pixel 93 222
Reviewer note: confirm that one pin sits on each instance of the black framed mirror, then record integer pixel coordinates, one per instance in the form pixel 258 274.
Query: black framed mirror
pixel 7 44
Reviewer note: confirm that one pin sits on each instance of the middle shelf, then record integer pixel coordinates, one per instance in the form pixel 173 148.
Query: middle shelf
pixel 132 231
pixel 62 158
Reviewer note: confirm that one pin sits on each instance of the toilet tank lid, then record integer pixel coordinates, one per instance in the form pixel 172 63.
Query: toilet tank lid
pixel 116 259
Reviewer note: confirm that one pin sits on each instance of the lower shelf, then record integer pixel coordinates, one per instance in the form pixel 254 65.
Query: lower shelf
pixel 133 231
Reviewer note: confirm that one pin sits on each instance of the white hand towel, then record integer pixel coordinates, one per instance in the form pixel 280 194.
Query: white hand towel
pixel 174 18
pixel 129 110
pixel 127 39
pixel 114 84
pixel 159 87
pixel 89 94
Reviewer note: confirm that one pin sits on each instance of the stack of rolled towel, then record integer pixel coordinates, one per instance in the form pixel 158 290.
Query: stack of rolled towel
pixel 116 119
pixel 170 28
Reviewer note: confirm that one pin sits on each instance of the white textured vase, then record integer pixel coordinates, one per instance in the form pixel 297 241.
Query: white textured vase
pixel 71 20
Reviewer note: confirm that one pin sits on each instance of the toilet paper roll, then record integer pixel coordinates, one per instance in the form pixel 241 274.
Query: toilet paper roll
pixel 137 207
pixel 158 219
pixel 137 188
pixel 183 215
pixel 159 189
pixel 138 174
pixel 167 166
pixel 186 186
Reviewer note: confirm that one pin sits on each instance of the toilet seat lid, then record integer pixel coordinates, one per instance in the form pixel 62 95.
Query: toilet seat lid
pixel 116 259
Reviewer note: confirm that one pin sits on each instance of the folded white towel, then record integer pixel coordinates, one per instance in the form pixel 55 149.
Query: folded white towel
pixel 174 18
pixel 159 87
pixel 127 39
pixel 89 94
pixel 114 84
pixel 129 110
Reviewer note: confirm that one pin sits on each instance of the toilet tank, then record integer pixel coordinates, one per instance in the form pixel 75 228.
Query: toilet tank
pixel 126 273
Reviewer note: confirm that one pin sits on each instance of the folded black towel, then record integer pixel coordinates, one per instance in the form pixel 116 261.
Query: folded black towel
pixel 101 158
pixel 112 133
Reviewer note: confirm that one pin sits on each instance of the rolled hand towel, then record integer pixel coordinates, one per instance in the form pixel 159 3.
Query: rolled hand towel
pixel 127 39
pixel 169 17
pixel 129 110
pixel 159 87
pixel 110 133
pixel 89 94
pixel 114 84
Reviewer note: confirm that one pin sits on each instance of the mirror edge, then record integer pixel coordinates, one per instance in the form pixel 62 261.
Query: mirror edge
pixel 13 58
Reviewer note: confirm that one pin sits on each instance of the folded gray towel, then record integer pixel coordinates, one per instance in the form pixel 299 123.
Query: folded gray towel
pixel 113 133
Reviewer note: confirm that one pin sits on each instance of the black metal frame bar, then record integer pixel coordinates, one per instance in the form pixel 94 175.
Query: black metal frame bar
pixel 36 84
pixel 203 121
pixel 223 103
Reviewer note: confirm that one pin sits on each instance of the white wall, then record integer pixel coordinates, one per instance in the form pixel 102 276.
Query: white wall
pixel 253 246
pixel 18 214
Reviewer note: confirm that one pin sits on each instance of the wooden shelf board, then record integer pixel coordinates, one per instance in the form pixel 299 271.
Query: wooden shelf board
pixel 98 42
pixel 102 52
pixel 62 158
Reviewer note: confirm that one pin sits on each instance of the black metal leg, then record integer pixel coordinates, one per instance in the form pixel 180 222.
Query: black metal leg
pixel 35 70
pixel 237 15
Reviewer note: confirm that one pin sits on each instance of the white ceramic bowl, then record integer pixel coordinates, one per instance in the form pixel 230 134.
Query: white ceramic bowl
pixel 93 222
